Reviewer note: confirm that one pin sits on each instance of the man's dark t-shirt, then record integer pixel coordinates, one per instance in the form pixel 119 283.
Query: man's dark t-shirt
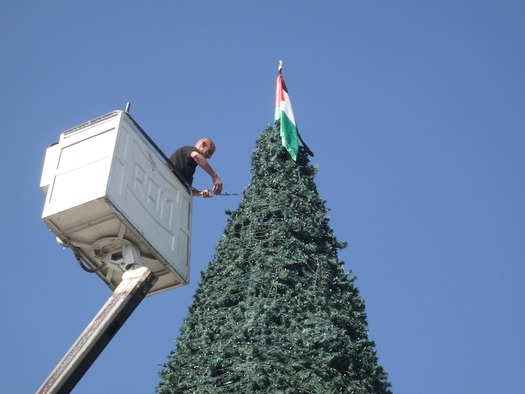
pixel 184 163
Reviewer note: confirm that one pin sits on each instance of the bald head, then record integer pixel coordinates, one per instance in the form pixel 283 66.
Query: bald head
pixel 206 147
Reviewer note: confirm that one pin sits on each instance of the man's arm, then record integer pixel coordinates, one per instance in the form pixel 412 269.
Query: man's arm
pixel 203 163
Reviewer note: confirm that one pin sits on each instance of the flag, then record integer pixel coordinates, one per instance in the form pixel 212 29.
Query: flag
pixel 283 111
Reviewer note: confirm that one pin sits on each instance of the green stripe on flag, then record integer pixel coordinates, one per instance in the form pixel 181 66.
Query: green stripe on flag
pixel 289 135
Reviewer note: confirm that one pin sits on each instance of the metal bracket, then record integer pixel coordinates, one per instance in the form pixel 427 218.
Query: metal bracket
pixel 117 252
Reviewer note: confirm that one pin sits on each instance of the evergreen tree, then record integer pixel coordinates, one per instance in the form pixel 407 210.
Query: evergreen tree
pixel 274 311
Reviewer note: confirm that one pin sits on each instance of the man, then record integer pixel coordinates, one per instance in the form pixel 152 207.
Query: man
pixel 186 159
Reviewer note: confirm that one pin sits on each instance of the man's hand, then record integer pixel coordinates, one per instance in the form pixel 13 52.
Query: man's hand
pixel 206 193
pixel 217 185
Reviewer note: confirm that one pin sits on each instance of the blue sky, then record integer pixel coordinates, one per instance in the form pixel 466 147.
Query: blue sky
pixel 414 111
